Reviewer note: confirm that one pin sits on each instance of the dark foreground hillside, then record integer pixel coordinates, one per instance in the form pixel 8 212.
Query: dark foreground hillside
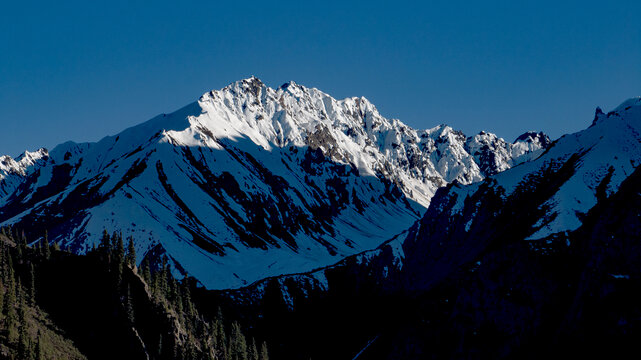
pixel 56 305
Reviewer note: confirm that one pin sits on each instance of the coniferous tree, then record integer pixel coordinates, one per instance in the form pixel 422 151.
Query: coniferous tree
pixel 2 292
pixel 105 242
pixel 118 247
pixel 118 258
pixel 23 338
pixel 218 336
pixel 179 300
pixel 155 284
pixel 206 348
pixel 32 285
pixel 10 315
pixel 22 242
pixel 146 273
pixel 39 350
pixel 20 295
pixel 165 272
pixel 3 264
pixel 10 273
pixel 130 306
pixel 131 253
pixel 222 352
pixel 189 351
pixel 8 309
pixel 19 251
pixel 160 280
pixel 237 343
pixel 222 336
pixel 263 351
pixel 45 246
pixel 159 350
pixel 23 343
pixel 252 351
pixel 188 305
pixel 169 278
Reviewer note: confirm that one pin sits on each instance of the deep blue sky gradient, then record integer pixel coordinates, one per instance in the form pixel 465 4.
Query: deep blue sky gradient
pixel 82 70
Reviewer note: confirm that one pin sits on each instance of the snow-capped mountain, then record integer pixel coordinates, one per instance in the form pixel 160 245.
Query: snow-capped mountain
pixel 494 155
pixel 597 160
pixel 548 250
pixel 250 181
pixel 541 203
pixel 13 171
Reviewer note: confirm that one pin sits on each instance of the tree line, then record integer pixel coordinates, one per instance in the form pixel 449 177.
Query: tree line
pixel 190 335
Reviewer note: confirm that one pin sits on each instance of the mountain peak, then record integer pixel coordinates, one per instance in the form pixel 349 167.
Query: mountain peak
pixel 25 160
pixel 252 85
pixel 632 105
pixel 253 80
pixel 32 156
pixel 288 84
pixel 597 114
pixel 534 137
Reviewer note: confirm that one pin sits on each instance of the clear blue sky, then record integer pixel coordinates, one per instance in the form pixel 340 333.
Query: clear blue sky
pixel 82 70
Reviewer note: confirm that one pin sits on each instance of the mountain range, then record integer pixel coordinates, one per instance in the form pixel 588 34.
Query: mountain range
pixel 541 260
pixel 250 182
pixel 329 231
pixel 540 203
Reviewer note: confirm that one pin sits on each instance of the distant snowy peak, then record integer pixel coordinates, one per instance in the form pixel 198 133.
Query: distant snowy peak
pixel 13 171
pixel 533 137
pixel 493 154
pixel 22 163
pixel 528 146
pixel 573 173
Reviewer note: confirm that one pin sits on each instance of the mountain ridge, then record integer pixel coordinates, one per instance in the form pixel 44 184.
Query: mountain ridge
pixel 462 211
pixel 284 179
pixel 489 270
